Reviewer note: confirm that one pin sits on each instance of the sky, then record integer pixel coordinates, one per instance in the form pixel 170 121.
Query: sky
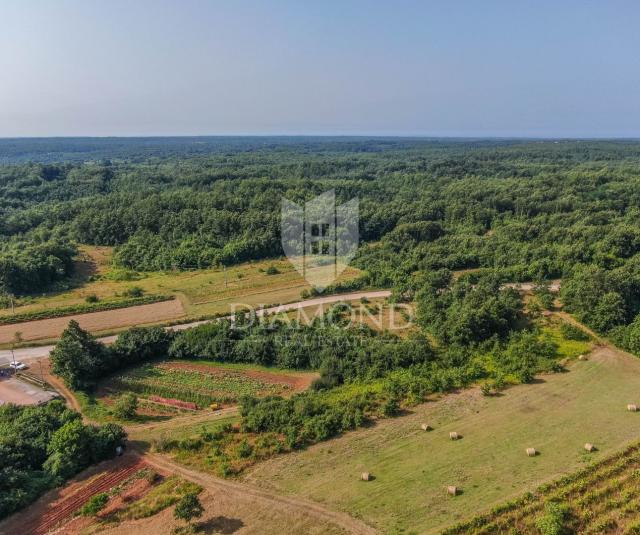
pixel 495 68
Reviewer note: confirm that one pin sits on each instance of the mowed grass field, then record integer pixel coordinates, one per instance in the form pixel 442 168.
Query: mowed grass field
pixel 200 293
pixel 557 416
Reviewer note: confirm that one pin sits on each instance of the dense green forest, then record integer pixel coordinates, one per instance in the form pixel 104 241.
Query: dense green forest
pixel 519 210
pixel 498 211
pixel 42 446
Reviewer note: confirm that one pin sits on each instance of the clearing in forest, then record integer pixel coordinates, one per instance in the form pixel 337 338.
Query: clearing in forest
pixel 198 293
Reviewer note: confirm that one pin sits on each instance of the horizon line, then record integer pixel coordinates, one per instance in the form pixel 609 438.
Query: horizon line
pixel 358 135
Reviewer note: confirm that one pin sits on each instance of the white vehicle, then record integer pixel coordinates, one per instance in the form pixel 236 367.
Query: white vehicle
pixel 17 365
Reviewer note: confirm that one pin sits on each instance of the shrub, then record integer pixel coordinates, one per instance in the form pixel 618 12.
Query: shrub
pixel 134 291
pixel 91 298
pixel 391 407
pixel 554 520
pixel 272 270
pixel 245 449
pixel 95 504
pixel 486 388
pixel 188 508
pixel 126 406
pixel 571 332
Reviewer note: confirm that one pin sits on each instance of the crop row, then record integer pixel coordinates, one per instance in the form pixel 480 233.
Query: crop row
pixel 598 498
pixel 191 386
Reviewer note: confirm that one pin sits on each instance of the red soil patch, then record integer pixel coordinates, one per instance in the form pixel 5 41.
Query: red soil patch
pixel 174 402
pixel 136 490
pixel 296 382
pixel 75 496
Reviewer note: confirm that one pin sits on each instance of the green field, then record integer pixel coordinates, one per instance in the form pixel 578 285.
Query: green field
pixel 556 415
pixel 202 292
pixel 194 385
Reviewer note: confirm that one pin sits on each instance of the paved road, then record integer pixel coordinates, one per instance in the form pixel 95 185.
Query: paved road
pixel 34 353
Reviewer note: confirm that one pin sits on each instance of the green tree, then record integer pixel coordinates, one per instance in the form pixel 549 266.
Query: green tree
pixel 69 450
pixel 188 508
pixel 79 358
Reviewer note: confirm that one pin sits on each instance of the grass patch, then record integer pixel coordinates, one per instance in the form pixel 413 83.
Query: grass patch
pixel 92 304
pixel 567 349
pixel 600 498
pixel 159 498
pixel 557 415
pixel 202 292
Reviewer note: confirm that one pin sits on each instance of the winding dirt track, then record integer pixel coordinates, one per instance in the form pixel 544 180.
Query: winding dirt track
pixel 343 520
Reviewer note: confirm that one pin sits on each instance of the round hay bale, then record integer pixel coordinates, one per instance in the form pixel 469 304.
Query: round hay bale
pixel 452 490
pixel 365 476
pixel 632 407
pixel 426 427
pixel 589 447
pixel 453 435
pixel 531 452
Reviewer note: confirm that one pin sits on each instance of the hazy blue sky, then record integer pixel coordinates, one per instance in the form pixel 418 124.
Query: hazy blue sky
pixel 490 67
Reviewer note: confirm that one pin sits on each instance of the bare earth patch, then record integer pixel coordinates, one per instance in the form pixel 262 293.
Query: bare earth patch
pixel 95 321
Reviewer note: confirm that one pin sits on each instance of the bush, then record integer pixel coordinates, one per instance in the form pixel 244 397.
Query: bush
pixel 571 332
pixel 91 298
pixel 554 520
pixel 95 504
pixel 188 508
pixel 391 407
pixel 272 270
pixel 134 291
pixel 244 449
pixel 125 407
pixel 486 388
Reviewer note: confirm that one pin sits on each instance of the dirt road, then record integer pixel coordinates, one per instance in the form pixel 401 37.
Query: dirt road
pixel 211 483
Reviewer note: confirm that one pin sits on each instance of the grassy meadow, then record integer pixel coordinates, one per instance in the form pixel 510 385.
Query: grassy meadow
pixel 201 292
pixel 556 415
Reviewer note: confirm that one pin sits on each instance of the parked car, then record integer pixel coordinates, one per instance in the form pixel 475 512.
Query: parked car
pixel 17 365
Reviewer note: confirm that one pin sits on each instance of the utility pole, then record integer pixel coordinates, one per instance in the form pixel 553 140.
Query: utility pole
pixel 17 338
